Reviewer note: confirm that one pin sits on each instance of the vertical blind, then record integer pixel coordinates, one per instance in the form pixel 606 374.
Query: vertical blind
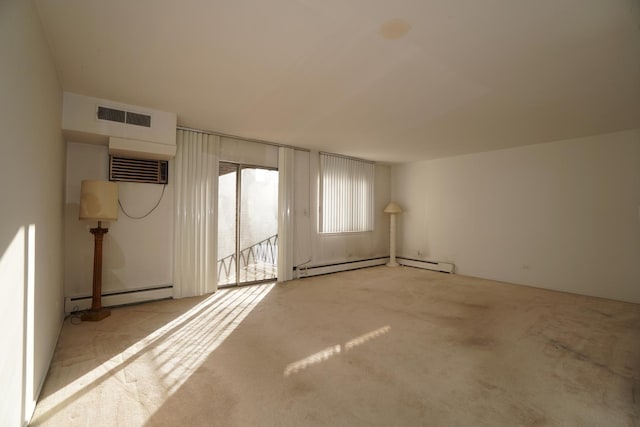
pixel 195 214
pixel 346 193
pixel 286 163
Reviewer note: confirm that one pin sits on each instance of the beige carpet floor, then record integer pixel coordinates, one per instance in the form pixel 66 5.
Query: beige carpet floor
pixel 378 346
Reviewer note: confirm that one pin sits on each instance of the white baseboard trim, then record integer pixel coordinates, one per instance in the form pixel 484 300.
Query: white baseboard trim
pixel 300 272
pixel 111 299
pixel 444 267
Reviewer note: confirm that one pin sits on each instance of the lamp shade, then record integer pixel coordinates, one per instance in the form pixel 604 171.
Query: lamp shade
pixel 393 208
pixel 99 200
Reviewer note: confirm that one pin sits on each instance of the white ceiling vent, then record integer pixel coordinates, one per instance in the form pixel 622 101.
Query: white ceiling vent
pixel 141 130
pixel 138 170
pixel 122 116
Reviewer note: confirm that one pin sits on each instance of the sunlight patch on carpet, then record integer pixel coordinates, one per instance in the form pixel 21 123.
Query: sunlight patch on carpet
pixel 332 351
pixel 163 360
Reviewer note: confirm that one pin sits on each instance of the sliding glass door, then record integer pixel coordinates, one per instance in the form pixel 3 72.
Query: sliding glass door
pixel 247 224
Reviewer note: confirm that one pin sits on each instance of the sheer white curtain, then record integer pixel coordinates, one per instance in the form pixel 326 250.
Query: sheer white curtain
pixel 195 222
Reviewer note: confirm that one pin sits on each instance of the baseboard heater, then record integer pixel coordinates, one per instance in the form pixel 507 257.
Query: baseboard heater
pixel 116 298
pixel 316 270
pixel 444 267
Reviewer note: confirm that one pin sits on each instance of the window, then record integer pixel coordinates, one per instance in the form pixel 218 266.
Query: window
pixel 346 194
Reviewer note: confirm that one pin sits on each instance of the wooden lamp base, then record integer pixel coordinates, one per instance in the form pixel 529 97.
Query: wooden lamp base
pixel 95 315
pixel 97 311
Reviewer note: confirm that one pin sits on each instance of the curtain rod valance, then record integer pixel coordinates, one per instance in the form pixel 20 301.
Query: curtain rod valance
pixel 324 153
pixel 225 135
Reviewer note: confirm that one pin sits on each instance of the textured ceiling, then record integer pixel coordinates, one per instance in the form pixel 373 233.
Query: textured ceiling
pixel 384 80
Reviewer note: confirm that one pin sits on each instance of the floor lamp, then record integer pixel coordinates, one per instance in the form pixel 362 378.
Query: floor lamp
pixel 392 209
pixel 98 202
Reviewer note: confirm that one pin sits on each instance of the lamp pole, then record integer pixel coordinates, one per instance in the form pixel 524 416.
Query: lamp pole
pixel 392 244
pixel 97 312
pixel 392 209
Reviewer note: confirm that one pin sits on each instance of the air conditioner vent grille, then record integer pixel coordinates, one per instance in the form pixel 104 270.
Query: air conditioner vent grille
pixel 138 170
pixel 111 114
pixel 121 116
pixel 139 119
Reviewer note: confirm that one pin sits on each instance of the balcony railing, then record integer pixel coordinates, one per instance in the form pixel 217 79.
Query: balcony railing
pixel 257 262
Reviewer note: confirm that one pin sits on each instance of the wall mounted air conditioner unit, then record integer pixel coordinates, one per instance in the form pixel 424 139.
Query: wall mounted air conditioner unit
pixel 147 171
pixel 130 131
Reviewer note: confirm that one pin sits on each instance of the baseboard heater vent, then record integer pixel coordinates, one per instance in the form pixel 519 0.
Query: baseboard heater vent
pixel 112 299
pixel 317 270
pixel 444 267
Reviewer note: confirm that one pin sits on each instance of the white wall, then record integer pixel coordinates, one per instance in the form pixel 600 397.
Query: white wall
pixel 314 248
pixel 31 212
pixel 563 215
pixel 310 247
pixel 136 253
